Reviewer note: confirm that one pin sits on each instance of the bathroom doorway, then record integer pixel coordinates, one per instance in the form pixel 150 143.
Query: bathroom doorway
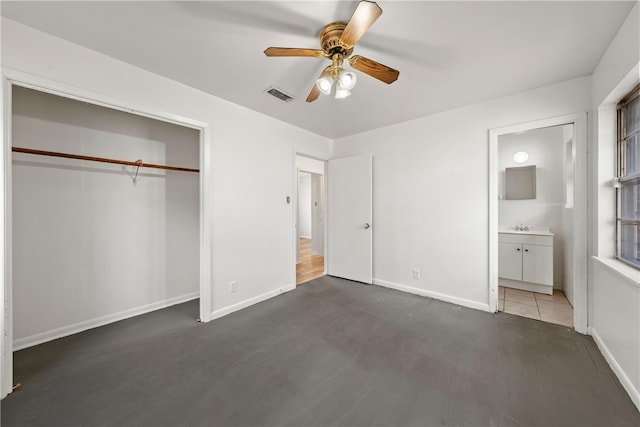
pixel 538 220
pixel 310 219
pixel 535 220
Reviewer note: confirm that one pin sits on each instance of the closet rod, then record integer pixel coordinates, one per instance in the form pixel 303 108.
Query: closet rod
pixel 100 159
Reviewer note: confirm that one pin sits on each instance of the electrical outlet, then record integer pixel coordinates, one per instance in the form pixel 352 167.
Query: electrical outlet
pixel 233 286
pixel 416 273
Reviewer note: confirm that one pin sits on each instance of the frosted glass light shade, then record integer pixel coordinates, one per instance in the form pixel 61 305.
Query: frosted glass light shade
pixel 520 157
pixel 324 84
pixel 347 80
pixel 341 93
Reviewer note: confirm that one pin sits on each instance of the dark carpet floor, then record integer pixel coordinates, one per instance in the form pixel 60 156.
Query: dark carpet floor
pixel 330 353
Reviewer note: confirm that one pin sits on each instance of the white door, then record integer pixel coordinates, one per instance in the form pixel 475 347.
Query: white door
pixel 349 218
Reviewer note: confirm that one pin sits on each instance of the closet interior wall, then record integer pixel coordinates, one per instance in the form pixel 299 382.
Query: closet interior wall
pixel 90 243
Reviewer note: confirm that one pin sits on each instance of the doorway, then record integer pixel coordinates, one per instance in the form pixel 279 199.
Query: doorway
pixel 538 242
pixel 535 219
pixel 310 219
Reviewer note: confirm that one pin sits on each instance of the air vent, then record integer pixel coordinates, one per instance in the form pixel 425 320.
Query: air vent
pixel 277 93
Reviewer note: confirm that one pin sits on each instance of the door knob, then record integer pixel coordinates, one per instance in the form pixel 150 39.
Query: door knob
pixel 366 225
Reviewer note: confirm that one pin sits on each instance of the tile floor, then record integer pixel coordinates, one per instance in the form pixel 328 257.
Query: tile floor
pixel 548 308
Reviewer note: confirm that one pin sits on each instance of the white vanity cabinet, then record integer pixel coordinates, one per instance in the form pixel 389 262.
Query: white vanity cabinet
pixel 525 261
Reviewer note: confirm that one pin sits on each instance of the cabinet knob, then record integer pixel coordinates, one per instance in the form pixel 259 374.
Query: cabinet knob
pixel 526 250
pixel 518 249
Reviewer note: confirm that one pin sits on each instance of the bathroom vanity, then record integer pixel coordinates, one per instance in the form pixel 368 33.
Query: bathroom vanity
pixel 525 260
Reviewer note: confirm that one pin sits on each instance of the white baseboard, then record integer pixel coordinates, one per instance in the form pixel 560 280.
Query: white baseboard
pixel 251 301
pixel 634 394
pixel 42 337
pixel 287 288
pixel 435 295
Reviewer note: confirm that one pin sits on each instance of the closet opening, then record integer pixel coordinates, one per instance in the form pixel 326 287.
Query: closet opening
pixel 104 217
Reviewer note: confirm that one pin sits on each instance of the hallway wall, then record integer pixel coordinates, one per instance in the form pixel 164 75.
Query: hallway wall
pixel 304 205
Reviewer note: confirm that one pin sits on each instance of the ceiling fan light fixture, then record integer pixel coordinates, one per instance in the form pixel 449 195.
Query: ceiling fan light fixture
pixel 337 41
pixel 347 79
pixel 341 92
pixel 324 84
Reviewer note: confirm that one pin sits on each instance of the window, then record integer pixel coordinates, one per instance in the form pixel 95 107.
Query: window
pixel 628 170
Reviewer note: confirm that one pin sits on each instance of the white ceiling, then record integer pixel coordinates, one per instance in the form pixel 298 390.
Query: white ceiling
pixel 449 54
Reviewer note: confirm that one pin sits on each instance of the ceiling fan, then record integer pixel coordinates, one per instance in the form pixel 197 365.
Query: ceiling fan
pixel 337 41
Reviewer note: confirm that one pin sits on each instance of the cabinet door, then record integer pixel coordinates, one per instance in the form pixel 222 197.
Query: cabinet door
pixel 537 264
pixel 510 260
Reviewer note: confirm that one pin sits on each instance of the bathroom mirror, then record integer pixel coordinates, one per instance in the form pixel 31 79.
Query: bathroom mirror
pixel 520 183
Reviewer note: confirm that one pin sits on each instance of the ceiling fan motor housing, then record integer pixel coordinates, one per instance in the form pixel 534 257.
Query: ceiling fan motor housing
pixel 331 42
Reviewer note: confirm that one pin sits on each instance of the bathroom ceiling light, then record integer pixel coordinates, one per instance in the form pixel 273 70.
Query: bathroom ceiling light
pixel 520 157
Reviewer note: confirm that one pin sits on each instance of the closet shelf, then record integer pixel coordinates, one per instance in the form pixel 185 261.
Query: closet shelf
pixel 138 163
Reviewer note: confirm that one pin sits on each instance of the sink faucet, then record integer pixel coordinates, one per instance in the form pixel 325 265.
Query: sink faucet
pixel 521 227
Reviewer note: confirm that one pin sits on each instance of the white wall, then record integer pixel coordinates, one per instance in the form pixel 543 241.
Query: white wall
pixel 304 205
pixel 614 287
pixel 546 151
pixel 317 214
pixel 87 242
pixel 251 223
pixel 615 323
pixel 430 190
pixel 310 165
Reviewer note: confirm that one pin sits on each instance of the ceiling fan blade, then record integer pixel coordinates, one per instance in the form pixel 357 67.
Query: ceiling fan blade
pixel 363 18
pixel 315 92
pixel 293 51
pixel 374 69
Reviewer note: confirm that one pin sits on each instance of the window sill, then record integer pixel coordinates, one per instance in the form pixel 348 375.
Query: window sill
pixel 626 272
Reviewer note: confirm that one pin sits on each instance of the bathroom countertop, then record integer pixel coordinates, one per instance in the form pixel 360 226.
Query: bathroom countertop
pixel 533 231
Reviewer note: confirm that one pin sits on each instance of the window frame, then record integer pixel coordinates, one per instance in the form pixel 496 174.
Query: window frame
pixel 621 177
